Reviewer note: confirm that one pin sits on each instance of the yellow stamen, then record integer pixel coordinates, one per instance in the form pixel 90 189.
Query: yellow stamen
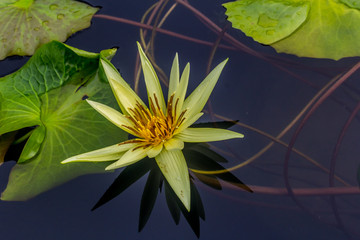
pixel 153 126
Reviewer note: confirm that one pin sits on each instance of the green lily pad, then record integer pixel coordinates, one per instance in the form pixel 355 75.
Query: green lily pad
pixel 49 92
pixel 306 28
pixel 27 24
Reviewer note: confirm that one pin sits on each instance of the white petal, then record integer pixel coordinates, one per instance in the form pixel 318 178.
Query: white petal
pixel 207 134
pixel 181 91
pixel 198 98
pixel 174 144
pixel 151 79
pixel 101 155
pixel 154 151
pixel 174 76
pixel 173 166
pixel 131 156
pixel 125 96
pixel 188 122
pixel 113 116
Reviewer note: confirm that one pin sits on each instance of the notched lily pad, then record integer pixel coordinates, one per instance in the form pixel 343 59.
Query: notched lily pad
pixel 315 28
pixel 27 24
pixel 47 93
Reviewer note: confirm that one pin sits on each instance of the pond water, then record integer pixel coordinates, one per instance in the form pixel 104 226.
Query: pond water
pixel 292 198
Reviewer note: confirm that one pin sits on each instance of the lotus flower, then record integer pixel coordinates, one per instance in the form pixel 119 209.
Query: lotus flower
pixel 161 129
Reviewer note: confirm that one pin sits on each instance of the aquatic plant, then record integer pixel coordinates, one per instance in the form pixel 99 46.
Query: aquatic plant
pixel 311 163
pixel 160 130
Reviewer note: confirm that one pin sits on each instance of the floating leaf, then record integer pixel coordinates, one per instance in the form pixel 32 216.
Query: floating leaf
pixel 27 24
pixel 49 92
pixel 306 28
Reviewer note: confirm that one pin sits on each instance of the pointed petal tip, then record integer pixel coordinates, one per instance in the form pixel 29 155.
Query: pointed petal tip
pixel 187 205
pixel 111 167
pixel 89 101
pixel 140 49
pixel 239 135
pixel 225 61
pixel 65 161
pixel 207 134
pixel 70 159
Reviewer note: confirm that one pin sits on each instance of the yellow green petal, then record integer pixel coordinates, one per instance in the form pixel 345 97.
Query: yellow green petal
pixel 131 156
pixel 173 166
pixel 181 91
pixel 174 144
pixel 151 79
pixel 174 76
pixel 154 151
pixel 207 135
pixel 112 115
pixel 101 155
pixel 125 96
pixel 198 98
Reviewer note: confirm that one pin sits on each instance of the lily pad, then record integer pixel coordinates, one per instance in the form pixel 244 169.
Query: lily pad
pixel 49 92
pixel 306 28
pixel 27 24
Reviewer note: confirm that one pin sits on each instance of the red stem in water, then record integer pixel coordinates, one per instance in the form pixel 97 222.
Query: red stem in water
pixel 321 99
pixel 160 30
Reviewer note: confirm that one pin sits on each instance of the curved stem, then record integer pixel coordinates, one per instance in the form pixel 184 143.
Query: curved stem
pixel 333 164
pixel 277 138
pixel 326 191
pixel 215 47
pixel 161 30
pixel 321 99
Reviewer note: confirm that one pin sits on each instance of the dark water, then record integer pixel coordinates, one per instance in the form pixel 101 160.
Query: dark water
pixel 266 94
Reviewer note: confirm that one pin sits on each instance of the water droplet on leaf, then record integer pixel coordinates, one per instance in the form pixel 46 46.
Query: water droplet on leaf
pixel 53 6
pixel 270 32
pixel 265 21
pixel 60 16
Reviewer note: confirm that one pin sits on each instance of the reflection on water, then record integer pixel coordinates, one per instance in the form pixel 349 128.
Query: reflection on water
pixel 299 117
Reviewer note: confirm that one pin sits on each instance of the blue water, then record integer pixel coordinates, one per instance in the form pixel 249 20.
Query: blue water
pixel 251 90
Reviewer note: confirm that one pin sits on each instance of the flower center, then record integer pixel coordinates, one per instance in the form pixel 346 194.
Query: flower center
pixel 155 127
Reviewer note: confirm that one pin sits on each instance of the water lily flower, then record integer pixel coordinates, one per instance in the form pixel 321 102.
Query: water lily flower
pixel 161 129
